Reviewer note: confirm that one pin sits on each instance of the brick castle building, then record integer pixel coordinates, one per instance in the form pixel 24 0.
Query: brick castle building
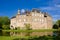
pixel 36 19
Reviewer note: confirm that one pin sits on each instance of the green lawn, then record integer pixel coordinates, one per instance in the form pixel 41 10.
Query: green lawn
pixel 7 38
pixel 12 37
pixel 30 38
pixel 41 30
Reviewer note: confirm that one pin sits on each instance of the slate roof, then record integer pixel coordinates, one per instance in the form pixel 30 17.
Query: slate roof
pixel 13 17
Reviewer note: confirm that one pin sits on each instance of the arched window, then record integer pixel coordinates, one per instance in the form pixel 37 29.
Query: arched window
pixel 11 26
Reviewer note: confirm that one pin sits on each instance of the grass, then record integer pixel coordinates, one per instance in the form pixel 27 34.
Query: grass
pixel 8 37
pixel 13 37
pixel 41 30
pixel 29 37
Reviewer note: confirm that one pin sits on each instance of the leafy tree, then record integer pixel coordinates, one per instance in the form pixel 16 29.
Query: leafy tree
pixel 0 23
pixel 5 27
pixel 58 23
pixel 55 26
pixel 27 26
pixel 4 22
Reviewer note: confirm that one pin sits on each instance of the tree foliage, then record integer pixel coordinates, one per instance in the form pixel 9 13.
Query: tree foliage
pixel 4 22
pixel 27 26
pixel 57 24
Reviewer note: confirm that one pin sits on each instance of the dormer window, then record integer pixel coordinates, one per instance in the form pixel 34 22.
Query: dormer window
pixel 45 15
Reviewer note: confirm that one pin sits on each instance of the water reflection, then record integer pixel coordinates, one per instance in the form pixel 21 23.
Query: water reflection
pixel 56 33
pixel 30 33
pixel 5 33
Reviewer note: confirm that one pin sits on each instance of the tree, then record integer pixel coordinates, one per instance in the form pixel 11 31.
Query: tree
pixel 55 26
pixel 0 23
pixel 5 27
pixel 4 22
pixel 27 26
pixel 58 23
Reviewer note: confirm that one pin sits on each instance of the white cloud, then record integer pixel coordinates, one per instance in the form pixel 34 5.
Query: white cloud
pixel 47 8
pixel 55 17
pixel 51 8
pixel 57 5
pixel 55 12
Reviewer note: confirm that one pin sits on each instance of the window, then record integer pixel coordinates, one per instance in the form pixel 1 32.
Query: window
pixel 33 14
pixel 40 20
pixel 11 26
pixel 24 15
pixel 45 16
pixel 24 20
pixel 20 20
pixel 45 20
pixel 40 15
pixel 35 19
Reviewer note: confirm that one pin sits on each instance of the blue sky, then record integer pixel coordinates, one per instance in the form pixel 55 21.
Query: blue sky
pixel 9 7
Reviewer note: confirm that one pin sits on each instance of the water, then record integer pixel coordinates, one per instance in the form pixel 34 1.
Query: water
pixel 55 33
pixel 26 33
pixel 38 35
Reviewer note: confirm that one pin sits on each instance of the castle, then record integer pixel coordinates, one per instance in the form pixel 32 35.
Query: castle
pixel 36 19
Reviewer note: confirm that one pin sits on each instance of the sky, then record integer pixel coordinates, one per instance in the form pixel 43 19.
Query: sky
pixel 10 7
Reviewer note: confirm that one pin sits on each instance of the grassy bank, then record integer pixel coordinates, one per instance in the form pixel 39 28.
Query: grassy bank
pixel 41 30
pixel 30 38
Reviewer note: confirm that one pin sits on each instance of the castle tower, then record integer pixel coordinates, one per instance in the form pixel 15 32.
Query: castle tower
pixel 18 12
